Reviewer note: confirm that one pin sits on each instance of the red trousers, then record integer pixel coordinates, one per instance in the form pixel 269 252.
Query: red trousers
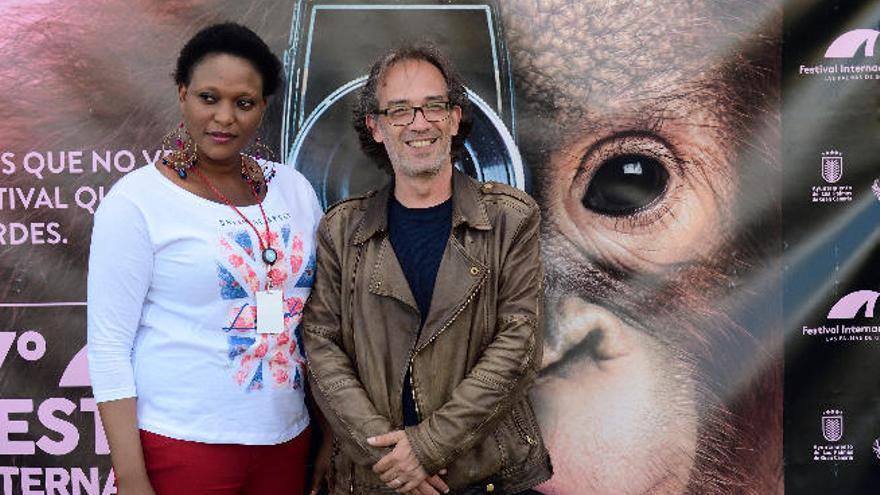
pixel 180 466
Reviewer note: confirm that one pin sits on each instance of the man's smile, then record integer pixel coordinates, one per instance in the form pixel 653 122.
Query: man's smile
pixel 421 142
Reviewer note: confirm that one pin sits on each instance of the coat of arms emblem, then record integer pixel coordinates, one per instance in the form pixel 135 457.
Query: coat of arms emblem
pixel 832 166
pixel 832 425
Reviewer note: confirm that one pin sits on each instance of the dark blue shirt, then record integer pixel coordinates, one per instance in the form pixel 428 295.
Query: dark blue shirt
pixel 418 236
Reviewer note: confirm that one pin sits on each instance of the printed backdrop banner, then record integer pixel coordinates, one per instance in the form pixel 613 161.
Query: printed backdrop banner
pixel 708 184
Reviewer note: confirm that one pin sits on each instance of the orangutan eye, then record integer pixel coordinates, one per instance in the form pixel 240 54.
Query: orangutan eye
pixel 625 184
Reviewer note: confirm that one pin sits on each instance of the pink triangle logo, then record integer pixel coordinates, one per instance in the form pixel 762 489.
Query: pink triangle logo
pixel 848 306
pixel 77 372
pixel 848 44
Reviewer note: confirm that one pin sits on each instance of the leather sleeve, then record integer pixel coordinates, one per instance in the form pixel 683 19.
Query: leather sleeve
pixel 508 366
pixel 332 376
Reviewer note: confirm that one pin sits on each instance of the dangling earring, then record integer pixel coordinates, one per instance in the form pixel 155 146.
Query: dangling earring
pixel 251 171
pixel 260 151
pixel 179 151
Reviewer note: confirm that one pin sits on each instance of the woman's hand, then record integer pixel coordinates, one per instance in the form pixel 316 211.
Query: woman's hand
pixel 322 462
pixel 119 418
pixel 135 487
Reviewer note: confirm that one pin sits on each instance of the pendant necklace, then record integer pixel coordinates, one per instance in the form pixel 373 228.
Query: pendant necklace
pixel 267 252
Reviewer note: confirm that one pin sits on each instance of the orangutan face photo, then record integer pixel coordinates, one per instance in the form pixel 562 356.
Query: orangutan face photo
pixel 659 137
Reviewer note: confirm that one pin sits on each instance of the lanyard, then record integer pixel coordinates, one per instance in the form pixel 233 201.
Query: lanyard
pixel 268 253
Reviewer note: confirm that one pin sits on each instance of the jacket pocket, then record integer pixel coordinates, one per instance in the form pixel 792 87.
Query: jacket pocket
pixel 518 436
pixel 483 461
pixel 524 421
pixel 366 482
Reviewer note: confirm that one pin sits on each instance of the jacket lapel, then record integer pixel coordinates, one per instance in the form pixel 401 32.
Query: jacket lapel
pixel 387 278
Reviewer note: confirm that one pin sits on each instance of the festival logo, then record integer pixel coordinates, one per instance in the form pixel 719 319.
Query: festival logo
pixel 856 304
pixel 56 426
pixel 848 58
pixel 832 425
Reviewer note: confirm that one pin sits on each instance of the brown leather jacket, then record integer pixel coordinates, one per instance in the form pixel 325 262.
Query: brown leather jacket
pixel 477 355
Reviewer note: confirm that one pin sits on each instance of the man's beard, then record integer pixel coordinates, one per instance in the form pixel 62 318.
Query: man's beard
pixel 409 169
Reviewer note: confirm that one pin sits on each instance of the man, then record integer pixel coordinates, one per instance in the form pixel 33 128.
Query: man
pixel 423 329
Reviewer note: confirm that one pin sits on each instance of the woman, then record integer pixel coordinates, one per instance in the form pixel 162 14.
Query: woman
pixel 198 271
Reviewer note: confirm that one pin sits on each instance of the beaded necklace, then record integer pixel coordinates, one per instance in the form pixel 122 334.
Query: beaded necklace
pixel 268 253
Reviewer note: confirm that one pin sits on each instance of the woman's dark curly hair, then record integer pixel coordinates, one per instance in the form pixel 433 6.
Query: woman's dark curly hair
pixel 232 39
pixel 368 101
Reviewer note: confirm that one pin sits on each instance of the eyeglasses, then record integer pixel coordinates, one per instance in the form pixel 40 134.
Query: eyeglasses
pixel 401 115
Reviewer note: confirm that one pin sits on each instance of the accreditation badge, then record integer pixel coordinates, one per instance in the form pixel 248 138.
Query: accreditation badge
pixel 270 315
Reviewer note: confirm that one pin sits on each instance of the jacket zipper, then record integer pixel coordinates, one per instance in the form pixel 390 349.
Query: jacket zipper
pixel 412 387
pixel 434 337
pixel 523 431
pixel 409 367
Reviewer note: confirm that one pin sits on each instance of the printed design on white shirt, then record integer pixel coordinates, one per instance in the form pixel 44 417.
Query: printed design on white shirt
pixel 307 279
pixel 257 359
